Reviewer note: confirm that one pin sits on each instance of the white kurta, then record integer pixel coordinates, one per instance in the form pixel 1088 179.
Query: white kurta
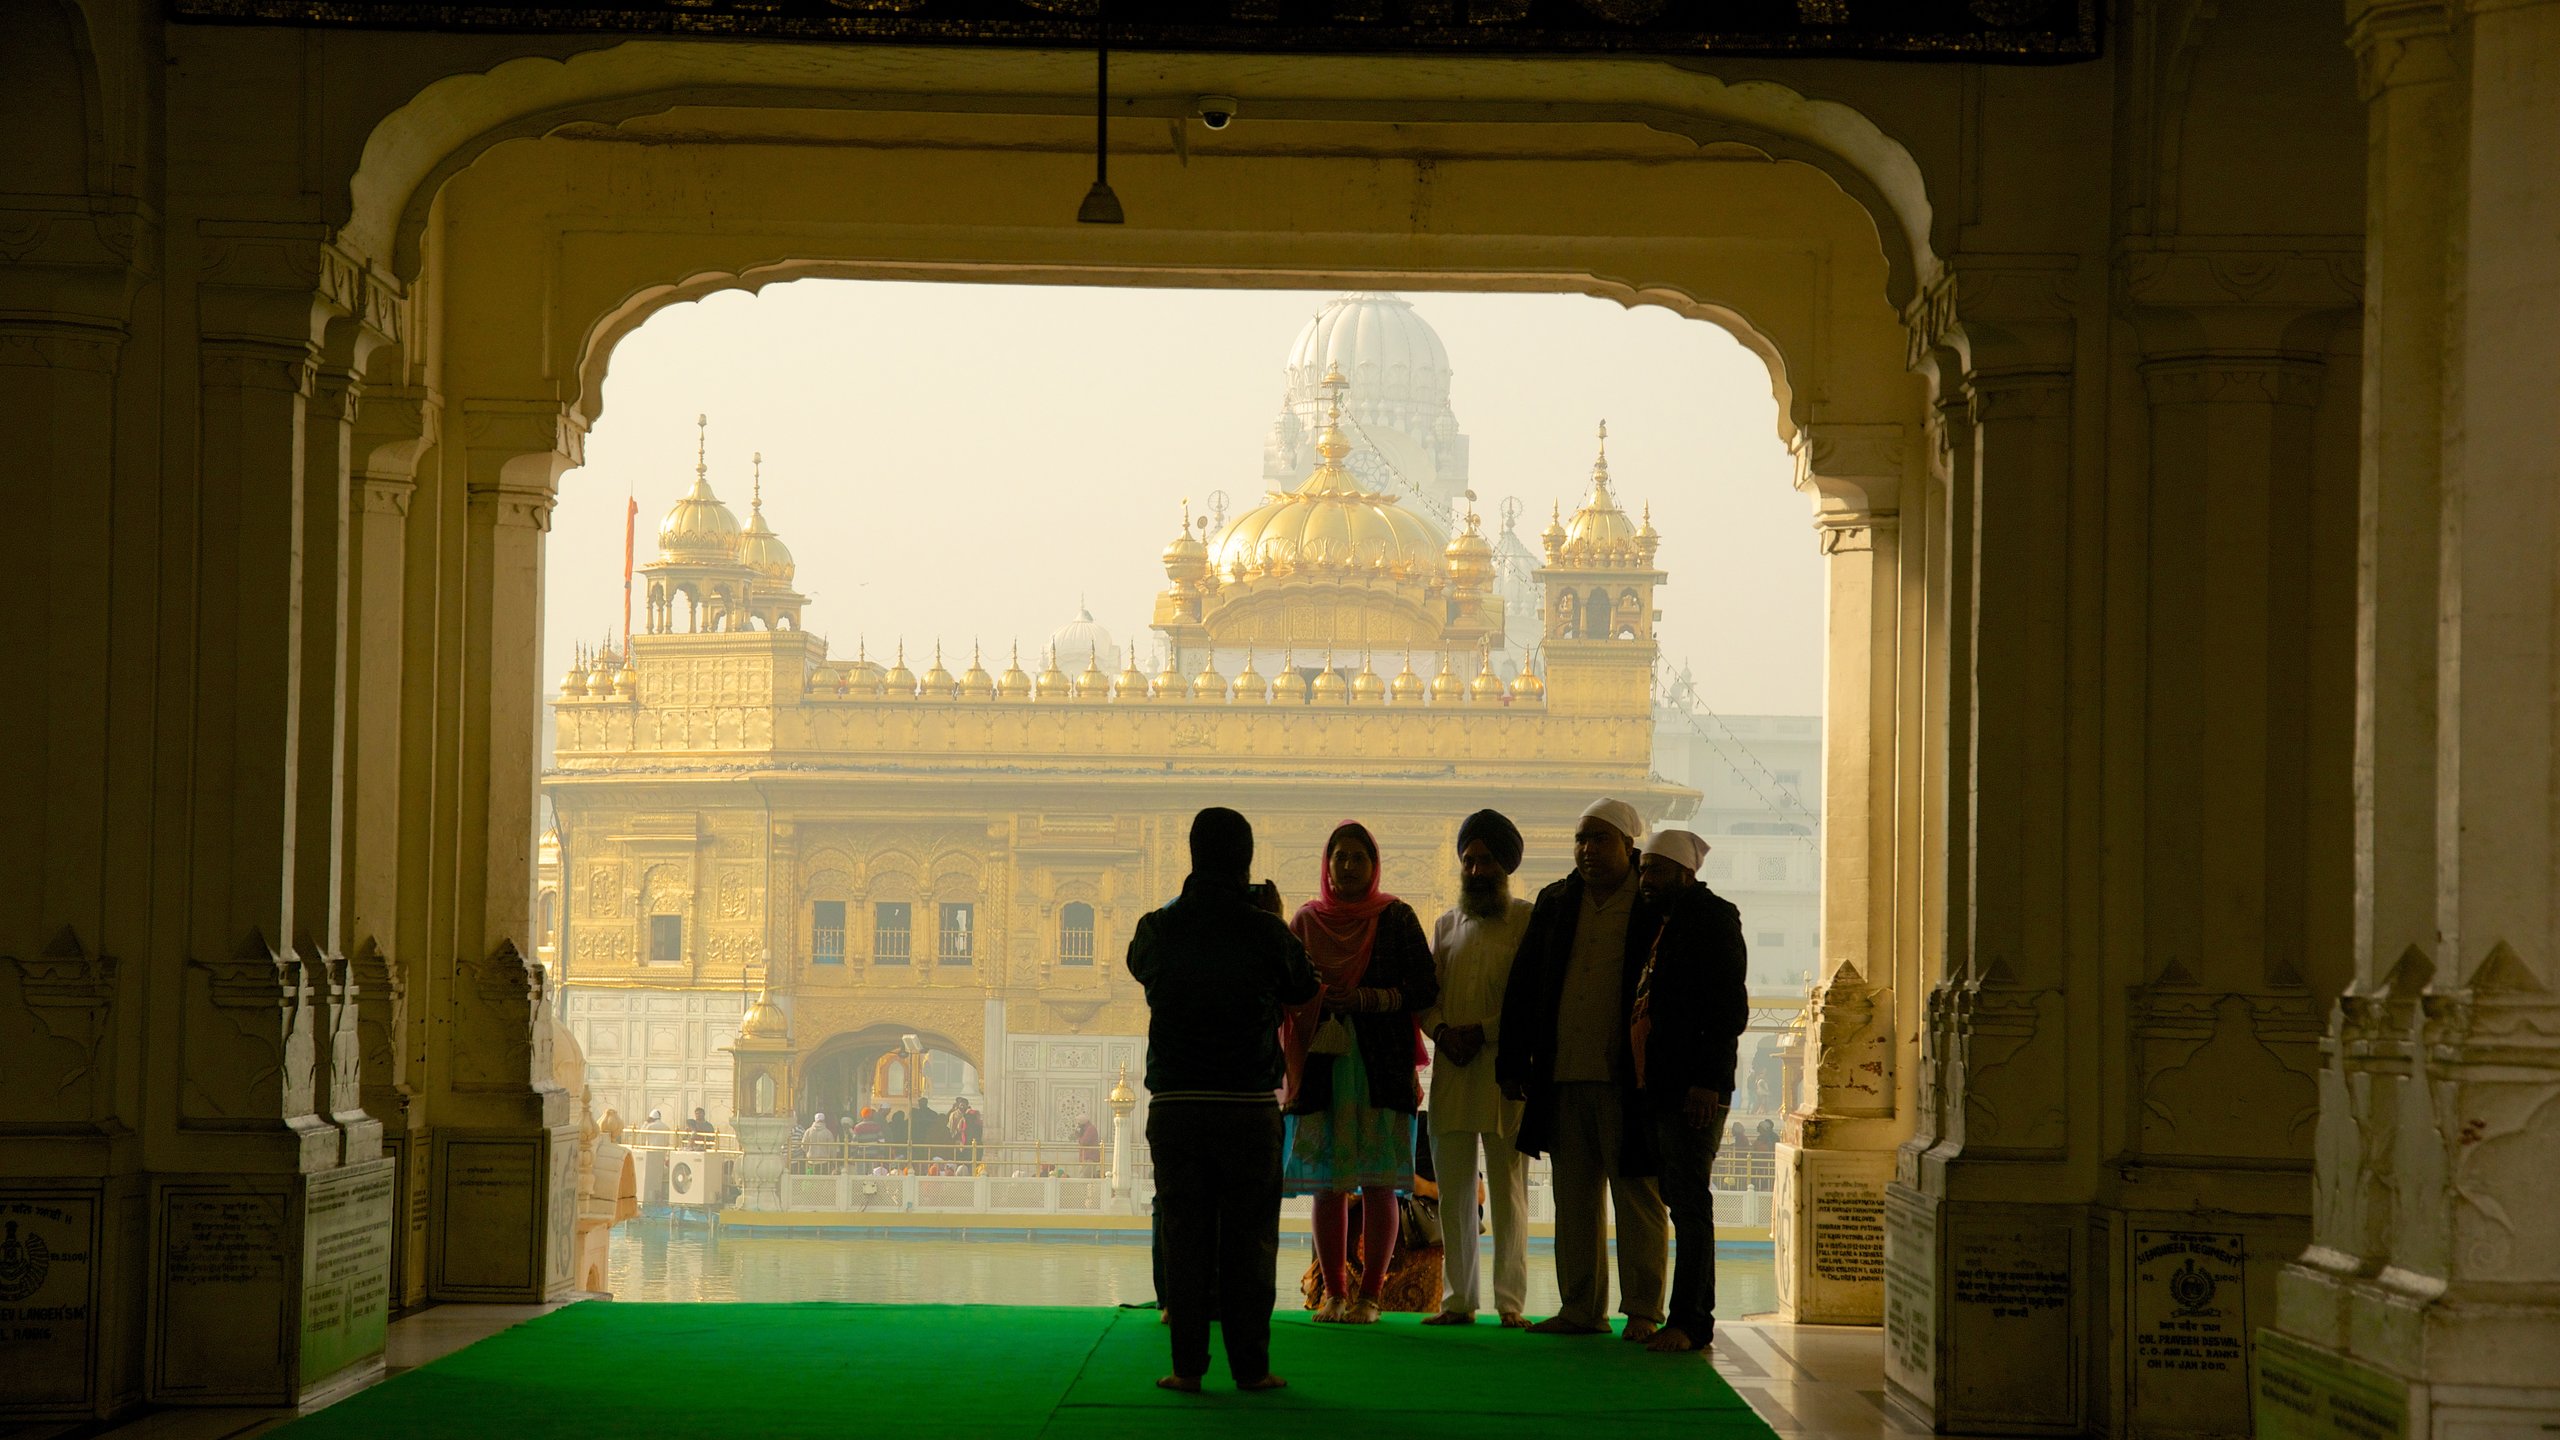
pixel 1473 958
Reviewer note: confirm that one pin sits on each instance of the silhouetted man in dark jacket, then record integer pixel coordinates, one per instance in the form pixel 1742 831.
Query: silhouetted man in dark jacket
pixel 1219 966
pixel 1691 1005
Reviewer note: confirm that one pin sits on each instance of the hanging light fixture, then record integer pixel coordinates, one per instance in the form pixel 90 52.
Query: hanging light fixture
pixel 1100 206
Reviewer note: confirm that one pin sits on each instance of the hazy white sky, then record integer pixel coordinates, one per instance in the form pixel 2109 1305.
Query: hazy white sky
pixel 967 461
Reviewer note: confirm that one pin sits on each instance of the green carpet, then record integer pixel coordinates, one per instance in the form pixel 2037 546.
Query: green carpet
pixel 774 1371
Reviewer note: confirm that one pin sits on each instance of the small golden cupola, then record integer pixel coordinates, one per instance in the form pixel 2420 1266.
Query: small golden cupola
pixel 977 684
pixel 771 602
pixel 939 684
pixel 1091 682
pixel 1132 683
pixel 1599 533
pixel 698 584
pixel 1053 683
pixel 699 529
pixel 900 682
pixel 1016 684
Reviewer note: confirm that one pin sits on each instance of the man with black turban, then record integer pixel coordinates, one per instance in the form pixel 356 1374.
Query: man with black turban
pixel 1471 950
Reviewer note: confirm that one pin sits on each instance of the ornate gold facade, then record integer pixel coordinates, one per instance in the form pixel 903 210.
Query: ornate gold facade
pixel 962 856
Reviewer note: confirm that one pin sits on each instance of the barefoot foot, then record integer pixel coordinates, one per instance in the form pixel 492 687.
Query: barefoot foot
pixel 1267 1382
pixel 1186 1384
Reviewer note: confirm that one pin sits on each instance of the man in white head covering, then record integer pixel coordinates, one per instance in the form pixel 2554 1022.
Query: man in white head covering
pixel 1691 1004
pixel 1565 1055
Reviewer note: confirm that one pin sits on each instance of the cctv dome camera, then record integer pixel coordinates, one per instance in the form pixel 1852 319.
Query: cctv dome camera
pixel 1216 111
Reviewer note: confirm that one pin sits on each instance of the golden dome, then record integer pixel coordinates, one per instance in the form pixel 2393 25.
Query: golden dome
pixel 1289 687
pixel 1209 684
pixel 699 530
pixel 1329 526
pixel 765 1020
pixel 1132 684
pixel 1527 688
pixel 573 685
pixel 938 682
pixel 1328 688
pixel 1016 684
pixel 1446 687
pixel 1599 530
pixel 977 684
pixel 1488 686
pixel 1169 684
pixel 1552 538
pixel 864 678
pixel 759 549
pixel 1250 687
pixel 1407 686
pixel 626 681
pixel 1366 687
pixel 1053 683
pixel 900 682
pixel 1470 557
pixel 823 679
pixel 1091 683
pixel 1187 558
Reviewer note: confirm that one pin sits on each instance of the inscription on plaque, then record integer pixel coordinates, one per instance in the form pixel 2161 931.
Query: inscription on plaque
pixel 223 1306
pixel 1910 1294
pixel 2012 1315
pixel 346 1267
pixel 1848 1229
pixel 488 1239
pixel 45 1298
pixel 2307 1393
pixel 2191 1329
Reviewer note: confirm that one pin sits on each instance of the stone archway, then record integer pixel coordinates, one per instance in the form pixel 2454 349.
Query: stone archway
pixel 1741 206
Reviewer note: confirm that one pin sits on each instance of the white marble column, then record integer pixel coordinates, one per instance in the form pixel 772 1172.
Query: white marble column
pixel 1837 1150
pixel 504 1139
pixel 2429 1300
pixel 1988 1298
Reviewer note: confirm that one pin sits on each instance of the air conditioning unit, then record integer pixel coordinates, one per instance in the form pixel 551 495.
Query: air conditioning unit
pixel 692 1180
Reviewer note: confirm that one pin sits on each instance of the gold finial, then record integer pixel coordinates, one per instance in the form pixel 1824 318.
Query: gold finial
pixel 702 446
pixel 755 496
pixel 1016 662
pixel 1600 463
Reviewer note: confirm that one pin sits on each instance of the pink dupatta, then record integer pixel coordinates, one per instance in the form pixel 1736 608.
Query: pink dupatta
pixel 1340 933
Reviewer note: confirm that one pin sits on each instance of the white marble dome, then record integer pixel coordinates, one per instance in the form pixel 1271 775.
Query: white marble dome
pixel 1083 639
pixel 1388 353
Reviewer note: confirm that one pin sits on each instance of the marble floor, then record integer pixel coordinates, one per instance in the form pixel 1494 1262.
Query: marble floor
pixel 1810 1382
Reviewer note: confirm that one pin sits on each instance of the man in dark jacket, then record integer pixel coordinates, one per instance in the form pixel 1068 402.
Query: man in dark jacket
pixel 1691 1004
pixel 1565 1012
pixel 1218 968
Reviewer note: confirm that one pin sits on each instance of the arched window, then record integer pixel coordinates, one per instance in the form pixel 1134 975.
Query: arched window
pixel 548 928
pixel 1075 934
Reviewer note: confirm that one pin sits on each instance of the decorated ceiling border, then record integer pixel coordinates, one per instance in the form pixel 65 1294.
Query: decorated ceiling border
pixel 2028 31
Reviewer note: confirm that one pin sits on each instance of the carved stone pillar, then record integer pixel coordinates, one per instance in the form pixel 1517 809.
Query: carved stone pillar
pixel 1837 1149
pixel 393 431
pixel 2426 1302
pixel 505 1140
pixel 1988 1295
pixel 270 1253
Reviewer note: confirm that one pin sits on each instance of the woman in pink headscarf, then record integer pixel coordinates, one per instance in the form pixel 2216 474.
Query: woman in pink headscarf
pixel 1352 1053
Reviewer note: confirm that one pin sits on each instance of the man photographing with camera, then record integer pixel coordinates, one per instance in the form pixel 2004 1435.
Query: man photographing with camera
pixel 1219 967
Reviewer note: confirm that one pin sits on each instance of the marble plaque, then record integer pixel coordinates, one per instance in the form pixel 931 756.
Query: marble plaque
pixel 346 1267
pixel 1848 1225
pixel 2307 1393
pixel 221 1325
pixel 2010 1282
pixel 2190 1337
pixel 48 1299
pixel 489 1218
pixel 1911 1294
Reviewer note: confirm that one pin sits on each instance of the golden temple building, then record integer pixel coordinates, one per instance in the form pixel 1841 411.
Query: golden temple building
pixel 960 854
